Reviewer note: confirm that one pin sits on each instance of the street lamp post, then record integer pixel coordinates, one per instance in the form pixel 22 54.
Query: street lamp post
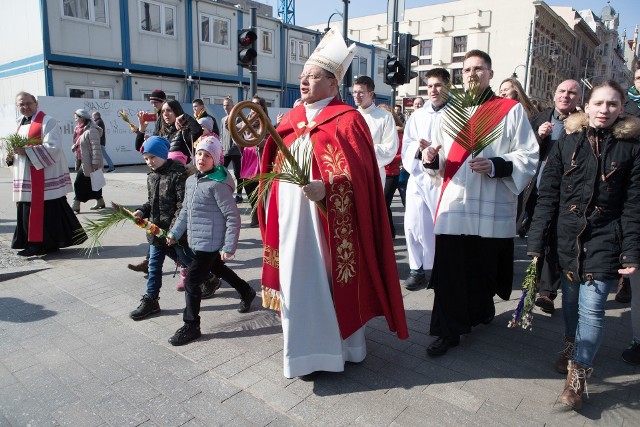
pixel 326 30
pixel 554 55
pixel 514 75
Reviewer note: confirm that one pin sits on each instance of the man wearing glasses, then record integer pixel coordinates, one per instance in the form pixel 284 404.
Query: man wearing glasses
pixel 475 220
pixel 328 272
pixel 380 122
pixel 45 221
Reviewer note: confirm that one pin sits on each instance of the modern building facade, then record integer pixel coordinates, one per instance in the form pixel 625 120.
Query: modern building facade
pixel 124 49
pixel 539 44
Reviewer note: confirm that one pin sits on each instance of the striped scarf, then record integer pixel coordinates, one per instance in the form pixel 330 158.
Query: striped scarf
pixel 634 95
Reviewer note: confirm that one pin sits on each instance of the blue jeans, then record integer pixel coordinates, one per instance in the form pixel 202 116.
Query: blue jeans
pixel 106 157
pixel 156 260
pixel 583 307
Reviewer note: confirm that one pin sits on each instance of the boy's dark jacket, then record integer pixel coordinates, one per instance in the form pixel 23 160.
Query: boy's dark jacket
pixel 596 203
pixel 165 187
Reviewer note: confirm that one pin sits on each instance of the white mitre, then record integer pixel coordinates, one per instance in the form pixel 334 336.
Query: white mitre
pixel 332 54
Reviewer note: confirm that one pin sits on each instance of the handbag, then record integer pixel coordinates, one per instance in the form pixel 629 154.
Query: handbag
pixel 97 180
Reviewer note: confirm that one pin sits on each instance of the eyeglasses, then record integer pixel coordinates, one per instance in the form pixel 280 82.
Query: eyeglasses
pixel 310 76
pixel 359 94
pixel 475 70
pixel 24 104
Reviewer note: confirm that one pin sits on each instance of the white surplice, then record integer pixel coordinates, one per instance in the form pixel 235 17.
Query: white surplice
pixel 312 340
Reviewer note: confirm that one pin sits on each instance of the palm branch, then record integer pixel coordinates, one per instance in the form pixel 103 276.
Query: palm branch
pixel 523 315
pixel 14 141
pixel 284 170
pixel 96 230
pixel 474 136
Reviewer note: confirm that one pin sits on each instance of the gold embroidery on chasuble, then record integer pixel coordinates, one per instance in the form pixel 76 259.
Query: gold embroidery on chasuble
pixel 341 213
pixel 271 256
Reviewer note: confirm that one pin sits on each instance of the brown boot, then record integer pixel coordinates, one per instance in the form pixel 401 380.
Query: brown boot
pixel 143 267
pixel 575 385
pixel 566 355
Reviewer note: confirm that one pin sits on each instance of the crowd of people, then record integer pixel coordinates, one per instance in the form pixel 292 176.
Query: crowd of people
pixel 565 177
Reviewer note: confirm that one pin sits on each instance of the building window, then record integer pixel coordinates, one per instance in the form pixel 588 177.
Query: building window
pixel 214 30
pixel 86 10
pixel 459 48
pixel 456 76
pixel 266 42
pixel 89 92
pixel 426 50
pixel 157 18
pixel 359 66
pixel 299 50
pixel 380 69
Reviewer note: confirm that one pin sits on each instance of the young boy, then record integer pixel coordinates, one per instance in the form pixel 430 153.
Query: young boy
pixel 165 187
pixel 212 222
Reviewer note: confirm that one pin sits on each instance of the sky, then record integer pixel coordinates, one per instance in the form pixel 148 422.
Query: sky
pixel 311 12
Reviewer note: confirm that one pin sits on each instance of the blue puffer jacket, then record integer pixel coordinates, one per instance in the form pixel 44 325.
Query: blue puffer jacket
pixel 209 213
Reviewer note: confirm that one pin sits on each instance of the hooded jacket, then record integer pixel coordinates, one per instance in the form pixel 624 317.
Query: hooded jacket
pixel 595 199
pixel 210 215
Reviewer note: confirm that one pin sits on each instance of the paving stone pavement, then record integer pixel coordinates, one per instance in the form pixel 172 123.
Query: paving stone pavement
pixel 70 355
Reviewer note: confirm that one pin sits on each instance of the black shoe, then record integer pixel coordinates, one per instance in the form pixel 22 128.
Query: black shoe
pixel 545 303
pixel 147 307
pixel 632 354
pixel 442 344
pixel 209 287
pixel 490 315
pixel 143 267
pixel 32 251
pixel 186 334
pixel 245 304
pixel 624 291
pixel 238 199
pixel 415 280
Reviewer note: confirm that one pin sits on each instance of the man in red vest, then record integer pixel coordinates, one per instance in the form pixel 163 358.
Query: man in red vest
pixel 45 221
pixel 475 218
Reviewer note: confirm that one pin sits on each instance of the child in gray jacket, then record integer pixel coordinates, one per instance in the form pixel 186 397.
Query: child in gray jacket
pixel 211 220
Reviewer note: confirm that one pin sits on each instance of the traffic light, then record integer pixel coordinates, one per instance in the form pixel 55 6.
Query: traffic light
pixel 394 74
pixel 406 43
pixel 246 47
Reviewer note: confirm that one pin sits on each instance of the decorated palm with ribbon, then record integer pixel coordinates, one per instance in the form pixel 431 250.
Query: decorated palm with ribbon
pixel 523 314
pixel 251 131
pixel 470 119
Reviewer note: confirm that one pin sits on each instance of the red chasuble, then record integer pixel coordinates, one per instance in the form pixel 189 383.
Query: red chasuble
pixel 364 274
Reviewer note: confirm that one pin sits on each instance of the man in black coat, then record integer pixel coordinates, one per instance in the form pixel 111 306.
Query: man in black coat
pixel 548 126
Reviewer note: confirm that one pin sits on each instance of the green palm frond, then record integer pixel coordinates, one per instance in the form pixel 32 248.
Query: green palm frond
pixel 14 141
pixel 283 171
pixel 474 136
pixel 96 230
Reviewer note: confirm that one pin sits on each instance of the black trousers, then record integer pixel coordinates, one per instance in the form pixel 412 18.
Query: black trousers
pixel 204 263
pixel 390 187
pixel 235 160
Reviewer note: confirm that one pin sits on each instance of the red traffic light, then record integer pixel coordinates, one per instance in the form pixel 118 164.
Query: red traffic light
pixel 246 38
pixel 246 47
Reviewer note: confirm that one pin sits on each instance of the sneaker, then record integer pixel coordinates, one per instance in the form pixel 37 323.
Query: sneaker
pixel 143 267
pixel 415 280
pixel 624 292
pixel 545 303
pixel 186 334
pixel 632 354
pixel 245 304
pixel 209 287
pixel 183 278
pixel 147 307
pixel 99 204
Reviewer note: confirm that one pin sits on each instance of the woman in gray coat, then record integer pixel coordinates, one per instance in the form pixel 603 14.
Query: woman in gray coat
pixel 88 142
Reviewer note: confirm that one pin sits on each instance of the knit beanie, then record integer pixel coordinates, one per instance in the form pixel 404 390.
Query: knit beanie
pixel 156 145
pixel 83 114
pixel 213 146
pixel 158 95
pixel 207 122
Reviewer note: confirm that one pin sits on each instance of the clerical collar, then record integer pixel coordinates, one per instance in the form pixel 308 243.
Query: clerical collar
pixel 368 109
pixel 313 109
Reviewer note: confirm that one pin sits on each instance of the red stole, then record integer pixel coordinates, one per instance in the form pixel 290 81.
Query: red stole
pixel 36 212
pixel 458 154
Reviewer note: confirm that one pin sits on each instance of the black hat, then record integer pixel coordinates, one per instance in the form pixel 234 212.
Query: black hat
pixel 157 95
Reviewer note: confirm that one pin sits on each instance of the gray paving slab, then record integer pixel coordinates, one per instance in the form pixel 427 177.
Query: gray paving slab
pixel 70 355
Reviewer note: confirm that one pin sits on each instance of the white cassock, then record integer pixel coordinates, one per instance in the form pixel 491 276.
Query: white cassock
pixel 312 340
pixel 422 195
pixel 384 134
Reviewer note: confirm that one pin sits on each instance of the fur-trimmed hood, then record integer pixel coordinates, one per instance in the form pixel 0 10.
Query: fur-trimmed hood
pixel 626 127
